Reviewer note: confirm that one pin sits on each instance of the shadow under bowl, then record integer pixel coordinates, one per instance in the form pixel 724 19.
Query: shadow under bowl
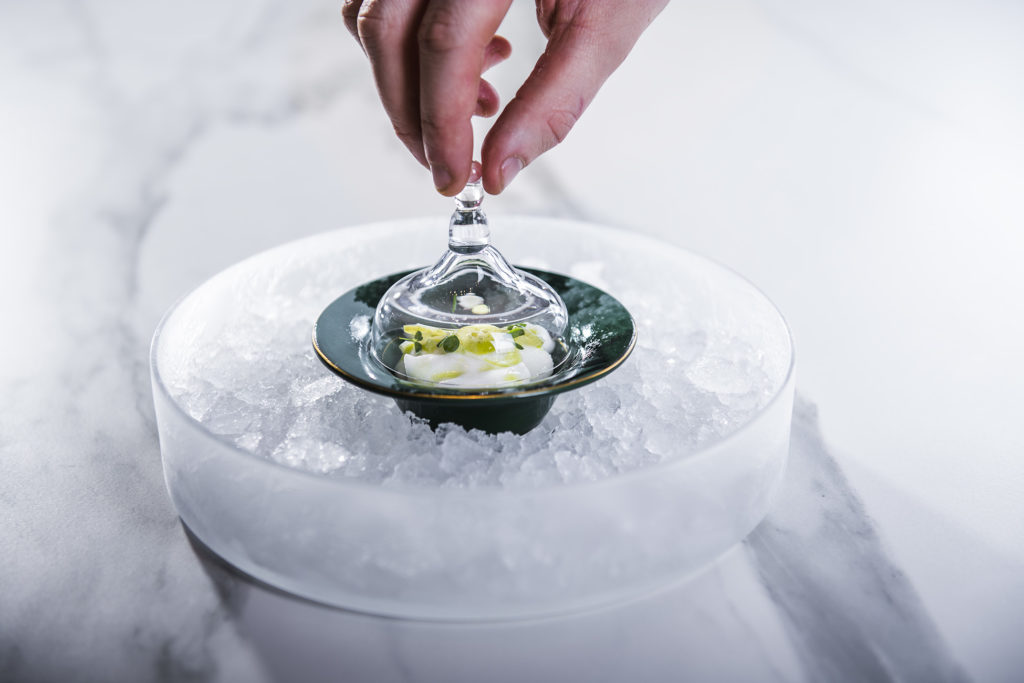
pixel 600 336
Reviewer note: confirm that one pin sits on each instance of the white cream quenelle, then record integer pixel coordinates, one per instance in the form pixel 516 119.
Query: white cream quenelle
pixel 476 356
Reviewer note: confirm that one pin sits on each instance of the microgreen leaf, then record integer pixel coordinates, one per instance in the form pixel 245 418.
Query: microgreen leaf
pixel 449 343
pixel 518 332
pixel 518 345
pixel 417 347
pixel 419 335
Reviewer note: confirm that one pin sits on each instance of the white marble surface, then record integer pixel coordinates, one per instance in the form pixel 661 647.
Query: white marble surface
pixel 862 163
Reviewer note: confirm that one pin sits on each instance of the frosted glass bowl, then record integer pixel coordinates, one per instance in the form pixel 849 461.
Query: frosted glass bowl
pixel 474 553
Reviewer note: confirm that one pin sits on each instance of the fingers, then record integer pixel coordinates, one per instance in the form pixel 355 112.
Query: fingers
pixel 428 57
pixel 455 40
pixel 487 101
pixel 585 46
pixel 387 31
pixel 350 13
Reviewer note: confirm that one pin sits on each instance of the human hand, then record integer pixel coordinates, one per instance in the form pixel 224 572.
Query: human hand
pixel 428 58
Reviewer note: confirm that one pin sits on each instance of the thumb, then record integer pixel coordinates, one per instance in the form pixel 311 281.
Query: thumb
pixel 582 51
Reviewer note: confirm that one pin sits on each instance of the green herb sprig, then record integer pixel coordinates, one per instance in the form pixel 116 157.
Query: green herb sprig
pixel 417 346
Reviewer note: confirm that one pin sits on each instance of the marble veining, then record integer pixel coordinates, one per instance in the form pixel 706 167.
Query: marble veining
pixel 98 579
pixel 849 609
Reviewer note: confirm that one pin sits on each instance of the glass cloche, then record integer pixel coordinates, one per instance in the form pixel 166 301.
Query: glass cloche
pixel 471 292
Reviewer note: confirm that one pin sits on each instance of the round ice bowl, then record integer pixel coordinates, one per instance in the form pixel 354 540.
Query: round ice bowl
pixel 456 553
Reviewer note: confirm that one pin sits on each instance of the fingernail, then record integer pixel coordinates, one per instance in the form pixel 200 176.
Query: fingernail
pixel 442 176
pixel 510 168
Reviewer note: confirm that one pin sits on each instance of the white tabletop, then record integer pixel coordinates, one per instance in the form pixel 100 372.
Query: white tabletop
pixel 863 164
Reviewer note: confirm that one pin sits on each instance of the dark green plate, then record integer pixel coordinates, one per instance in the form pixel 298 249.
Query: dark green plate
pixel 600 337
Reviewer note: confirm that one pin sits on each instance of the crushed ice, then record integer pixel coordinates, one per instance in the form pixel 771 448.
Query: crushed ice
pixel 260 385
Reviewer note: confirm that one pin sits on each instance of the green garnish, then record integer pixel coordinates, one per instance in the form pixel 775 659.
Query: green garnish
pixel 518 345
pixel 517 332
pixel 453 302
pixel 416 342
pixel 450 343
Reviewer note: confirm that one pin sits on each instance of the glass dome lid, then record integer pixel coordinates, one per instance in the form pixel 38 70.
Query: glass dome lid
pixel 472 284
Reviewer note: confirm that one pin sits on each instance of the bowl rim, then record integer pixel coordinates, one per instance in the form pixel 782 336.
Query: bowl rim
pixel 405 491
pixel 441 394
